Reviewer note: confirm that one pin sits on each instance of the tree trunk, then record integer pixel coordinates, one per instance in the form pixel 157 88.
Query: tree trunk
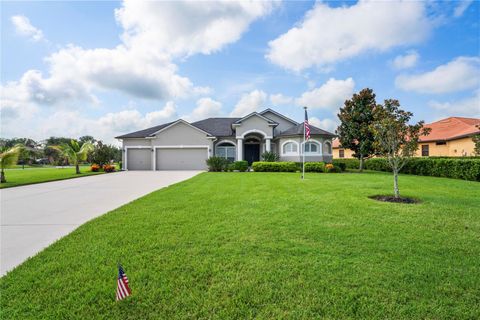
pixel 395 184
pixel 2 178
pixel 77 168
pixel 361 163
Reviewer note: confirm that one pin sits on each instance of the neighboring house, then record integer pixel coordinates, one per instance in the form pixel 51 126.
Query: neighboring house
pixel 181 145
pixel 450 137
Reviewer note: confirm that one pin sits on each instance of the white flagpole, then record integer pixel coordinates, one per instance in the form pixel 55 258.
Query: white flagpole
pixel 303 149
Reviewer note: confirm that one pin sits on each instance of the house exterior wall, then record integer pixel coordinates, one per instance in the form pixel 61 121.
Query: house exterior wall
pixel 453 148
pixel 181 134
pixel 298 157
pixel 254 123
pixel 282 123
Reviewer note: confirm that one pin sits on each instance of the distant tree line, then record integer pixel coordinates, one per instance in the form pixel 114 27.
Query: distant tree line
pixel 49 151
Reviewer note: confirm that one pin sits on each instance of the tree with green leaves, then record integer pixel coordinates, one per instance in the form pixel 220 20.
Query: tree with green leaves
pixel 395 138
pixel 104 153
pixel 356 119
pixel 74 152
pixel 8 158
pixel 476 141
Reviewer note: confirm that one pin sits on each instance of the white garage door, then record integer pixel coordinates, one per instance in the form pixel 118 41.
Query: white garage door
pixel 139 159
pixel 181 158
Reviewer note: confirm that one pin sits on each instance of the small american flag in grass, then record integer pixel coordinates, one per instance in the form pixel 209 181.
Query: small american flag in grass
pixel 123 290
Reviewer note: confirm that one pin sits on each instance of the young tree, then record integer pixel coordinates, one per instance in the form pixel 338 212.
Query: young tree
pixel 74 152
pixel 476 141
pixel 8 158
pixel 396 139
pixel 355 130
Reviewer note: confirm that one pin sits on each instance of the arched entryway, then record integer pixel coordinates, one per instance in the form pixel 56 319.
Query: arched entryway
pixel 251 148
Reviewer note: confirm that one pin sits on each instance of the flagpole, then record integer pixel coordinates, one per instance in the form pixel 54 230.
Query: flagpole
pixel 303 149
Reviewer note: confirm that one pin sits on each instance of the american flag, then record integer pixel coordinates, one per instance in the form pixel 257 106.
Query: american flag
pixel 123 290
pixel 307 126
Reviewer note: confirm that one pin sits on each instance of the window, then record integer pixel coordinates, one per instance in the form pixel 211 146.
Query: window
pixel 290 147
pixel 328 148
pixel 424 150
pixel 441 143
pixel 312 147
pixel 225 150
pixel 341 153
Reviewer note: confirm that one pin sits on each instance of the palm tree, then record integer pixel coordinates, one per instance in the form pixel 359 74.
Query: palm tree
pixel 74 152
pixel 8 158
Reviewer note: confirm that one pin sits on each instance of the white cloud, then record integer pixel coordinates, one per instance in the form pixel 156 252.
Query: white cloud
pixel 406 61
pixel 279 99
pixel 461 8
pixel 187 27
pixel 462 73
pixel 74 123
pixel 249 103
pixel 468 107
pixel 206 108
pixel 331 95
pixel 328 35
pixel 155 33
pixel 25 28
pixel 325 124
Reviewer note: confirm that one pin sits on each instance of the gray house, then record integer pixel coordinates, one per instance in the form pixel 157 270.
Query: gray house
pixel 180 145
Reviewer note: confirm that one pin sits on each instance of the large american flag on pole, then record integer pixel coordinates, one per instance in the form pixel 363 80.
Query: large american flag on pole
pixel 307 126
pixel 123 290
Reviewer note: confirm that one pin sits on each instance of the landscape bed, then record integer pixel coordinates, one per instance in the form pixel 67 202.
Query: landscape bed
pixel 20 177
pixel 267 246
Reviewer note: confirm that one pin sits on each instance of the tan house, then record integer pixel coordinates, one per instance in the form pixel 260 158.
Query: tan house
pixel 450 137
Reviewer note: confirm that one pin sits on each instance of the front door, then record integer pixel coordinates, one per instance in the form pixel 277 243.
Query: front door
pixel 252 153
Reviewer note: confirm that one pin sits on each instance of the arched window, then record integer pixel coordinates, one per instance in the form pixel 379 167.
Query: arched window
pixel 328 147
pixel 226 150
pixel 290 148
pixel 312 147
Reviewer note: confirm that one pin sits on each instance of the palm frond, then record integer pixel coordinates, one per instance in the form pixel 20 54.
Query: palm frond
pixel 9 157
pixel 86 148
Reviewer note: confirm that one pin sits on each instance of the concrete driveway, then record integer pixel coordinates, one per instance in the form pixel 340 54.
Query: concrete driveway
pixel 33 217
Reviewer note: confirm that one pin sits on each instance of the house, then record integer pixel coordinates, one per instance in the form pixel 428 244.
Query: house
pixel 450 137
pixel 181 145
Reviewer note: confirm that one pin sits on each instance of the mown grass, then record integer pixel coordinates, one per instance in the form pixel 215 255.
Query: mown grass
pixel 20 177
pixel 266 246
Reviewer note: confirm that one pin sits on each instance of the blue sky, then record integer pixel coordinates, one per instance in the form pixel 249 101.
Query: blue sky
pixel 106 68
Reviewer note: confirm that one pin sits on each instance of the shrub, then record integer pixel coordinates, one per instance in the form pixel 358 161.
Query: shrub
pixel 217 164
pixel 241 166
pixel 330 168
pixel 108 168
pixel 230 167
pixel 349 163
pixel 314 167
pixel 94 168
pixel 270 156
pixel 341 164
pixel 263 166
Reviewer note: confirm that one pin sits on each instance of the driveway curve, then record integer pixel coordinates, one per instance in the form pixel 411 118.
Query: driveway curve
pixel 35 216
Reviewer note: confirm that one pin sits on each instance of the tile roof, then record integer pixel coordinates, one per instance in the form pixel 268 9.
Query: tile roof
pixel 144 133
pixel 298 130
pixel 218 127
pixel 451 128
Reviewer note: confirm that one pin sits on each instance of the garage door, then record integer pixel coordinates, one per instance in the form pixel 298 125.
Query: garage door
pixel 181 159
pixel 139 159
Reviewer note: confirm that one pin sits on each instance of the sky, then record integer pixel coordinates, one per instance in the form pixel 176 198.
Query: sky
pixel 108 68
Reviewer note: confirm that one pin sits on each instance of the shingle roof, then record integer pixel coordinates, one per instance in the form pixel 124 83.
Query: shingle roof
pixel 145 132
pixel 218 127
pixel 451 128
pixel 298 131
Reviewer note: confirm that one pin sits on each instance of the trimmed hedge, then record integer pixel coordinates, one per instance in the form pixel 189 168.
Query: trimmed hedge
pixel 241 165
pixel 456 168
pixel 263 166
pixel 314 167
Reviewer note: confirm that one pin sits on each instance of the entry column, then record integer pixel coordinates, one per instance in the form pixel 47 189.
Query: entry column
pixel 267 145
pixel 239 149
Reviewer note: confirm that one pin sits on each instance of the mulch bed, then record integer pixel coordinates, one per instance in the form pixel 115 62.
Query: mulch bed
pixel 393 199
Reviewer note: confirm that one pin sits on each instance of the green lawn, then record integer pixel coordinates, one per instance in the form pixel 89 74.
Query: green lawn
pixel 266 246
pixel 19 177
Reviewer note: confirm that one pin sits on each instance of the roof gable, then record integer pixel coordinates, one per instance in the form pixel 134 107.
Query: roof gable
pixel 270 122
pixel 175 123
pixel 266 111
